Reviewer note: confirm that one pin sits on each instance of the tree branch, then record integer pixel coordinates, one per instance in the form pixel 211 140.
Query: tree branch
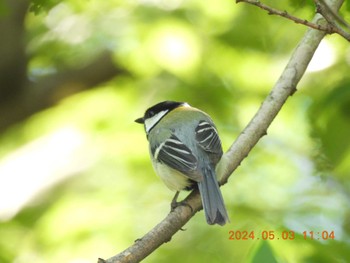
pixel 49 90
pixel 13 62
pixel 284 87
pixel 322 5
pixel 332 18
pixel 329 27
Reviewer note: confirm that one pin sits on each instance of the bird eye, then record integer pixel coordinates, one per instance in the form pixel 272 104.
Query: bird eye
pixel 151 113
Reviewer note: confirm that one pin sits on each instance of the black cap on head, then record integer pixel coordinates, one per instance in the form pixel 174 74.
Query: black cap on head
pixel 161 106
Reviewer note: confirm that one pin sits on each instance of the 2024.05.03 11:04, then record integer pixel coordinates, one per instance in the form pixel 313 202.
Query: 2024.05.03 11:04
pixel 274 235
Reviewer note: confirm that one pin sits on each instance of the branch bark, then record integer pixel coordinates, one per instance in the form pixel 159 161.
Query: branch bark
pixel 284 87
pixel 332 18
pixel 330 27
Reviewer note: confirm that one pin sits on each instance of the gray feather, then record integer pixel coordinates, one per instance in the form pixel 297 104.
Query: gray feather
pixel 208 139
pixel 213 203
pixel 177 155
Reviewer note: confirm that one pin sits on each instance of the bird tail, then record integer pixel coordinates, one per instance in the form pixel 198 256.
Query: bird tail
pixel 213 203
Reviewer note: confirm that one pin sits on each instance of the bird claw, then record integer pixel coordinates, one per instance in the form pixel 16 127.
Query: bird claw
pixel 175 203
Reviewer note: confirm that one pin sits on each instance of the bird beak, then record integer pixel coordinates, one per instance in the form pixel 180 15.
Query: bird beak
pixel 140 120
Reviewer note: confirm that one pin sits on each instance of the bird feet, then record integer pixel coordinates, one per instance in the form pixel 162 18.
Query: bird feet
pixel 175 203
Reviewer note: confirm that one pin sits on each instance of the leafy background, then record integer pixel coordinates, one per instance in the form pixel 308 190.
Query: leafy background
pixel 76 182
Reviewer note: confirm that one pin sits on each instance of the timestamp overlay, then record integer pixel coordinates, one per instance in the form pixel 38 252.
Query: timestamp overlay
pixel 281 235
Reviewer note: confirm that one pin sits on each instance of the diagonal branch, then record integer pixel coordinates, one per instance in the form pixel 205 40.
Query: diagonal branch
pixel 285 87
pixel 47 91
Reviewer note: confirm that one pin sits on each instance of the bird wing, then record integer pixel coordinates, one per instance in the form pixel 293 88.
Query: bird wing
pixel 208 138
pixel 175 154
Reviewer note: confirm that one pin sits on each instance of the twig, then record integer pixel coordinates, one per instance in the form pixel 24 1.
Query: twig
pixel 329 28
pixel 284 87
pixel 322 5
pixel 332 19
pixel 285 14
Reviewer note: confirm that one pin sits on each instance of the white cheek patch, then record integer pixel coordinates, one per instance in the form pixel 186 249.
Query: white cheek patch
pixel 150 122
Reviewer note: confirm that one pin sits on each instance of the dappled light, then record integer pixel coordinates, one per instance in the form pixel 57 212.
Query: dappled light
pixel 76 181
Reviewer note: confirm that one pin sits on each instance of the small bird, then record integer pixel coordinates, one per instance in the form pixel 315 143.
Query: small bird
pixel 185 149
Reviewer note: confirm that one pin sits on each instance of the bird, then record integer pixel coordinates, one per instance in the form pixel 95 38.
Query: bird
pixel 185 148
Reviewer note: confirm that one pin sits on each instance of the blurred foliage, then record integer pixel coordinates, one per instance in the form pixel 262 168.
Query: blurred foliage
pixel 218 56
pixel 38 6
